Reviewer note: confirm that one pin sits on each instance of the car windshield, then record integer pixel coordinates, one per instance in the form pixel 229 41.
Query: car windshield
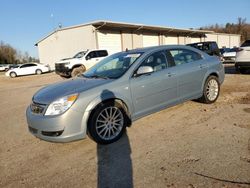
pixel 113 66
pixel 80 54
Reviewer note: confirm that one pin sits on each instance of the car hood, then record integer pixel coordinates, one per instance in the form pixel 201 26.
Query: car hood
pixel 52 92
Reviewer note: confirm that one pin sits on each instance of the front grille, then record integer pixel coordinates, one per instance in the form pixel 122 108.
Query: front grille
pixel 37 108
pixel 60 67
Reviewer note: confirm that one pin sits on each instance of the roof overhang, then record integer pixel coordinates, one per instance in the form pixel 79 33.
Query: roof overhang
pixel 102 24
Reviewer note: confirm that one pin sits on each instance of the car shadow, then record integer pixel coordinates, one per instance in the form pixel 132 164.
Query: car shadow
pixel 115 164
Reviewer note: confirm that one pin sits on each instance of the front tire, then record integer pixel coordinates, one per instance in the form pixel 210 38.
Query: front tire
pixel 107 123
pixel 13 74
pixel 211 90
pixel 78 71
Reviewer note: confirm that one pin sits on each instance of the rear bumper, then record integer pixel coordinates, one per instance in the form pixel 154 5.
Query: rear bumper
pixel 242 64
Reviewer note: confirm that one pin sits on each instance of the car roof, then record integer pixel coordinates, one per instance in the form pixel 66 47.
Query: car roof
pixel 153 48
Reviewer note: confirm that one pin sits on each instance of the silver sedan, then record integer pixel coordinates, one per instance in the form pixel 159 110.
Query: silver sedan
pixel 120 89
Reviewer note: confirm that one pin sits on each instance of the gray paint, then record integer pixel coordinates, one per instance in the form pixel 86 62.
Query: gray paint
pixel 141 95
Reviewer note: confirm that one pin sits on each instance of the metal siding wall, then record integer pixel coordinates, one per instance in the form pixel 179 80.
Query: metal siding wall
pixel 181 40
pixel 65 43
pixel 211 37
pixel 112 41
pixel 150 40
pixel 171 40
pixel 195 39
pixel 137 40
pixel 234 41
pixel 127 42
pixel 223 41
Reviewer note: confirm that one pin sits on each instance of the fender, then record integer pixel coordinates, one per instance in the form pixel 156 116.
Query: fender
pixel 110 95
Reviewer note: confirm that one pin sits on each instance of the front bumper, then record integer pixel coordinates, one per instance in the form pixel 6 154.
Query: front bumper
pixel 242 64
pixel 69 126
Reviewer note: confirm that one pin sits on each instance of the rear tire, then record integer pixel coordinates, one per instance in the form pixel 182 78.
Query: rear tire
pixel 13 74
pixel 107 123
pixel 78 71
pixel 39 71
pixel 211 90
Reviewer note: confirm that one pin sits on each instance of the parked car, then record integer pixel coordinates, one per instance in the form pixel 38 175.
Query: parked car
pixel 122 88
pixel 242 62
pixel 210 47
pixel 229 54
pixel 27 69
pixel 4 67
pixel 71 67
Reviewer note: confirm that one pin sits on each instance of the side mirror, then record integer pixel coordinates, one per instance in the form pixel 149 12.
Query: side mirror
pixel 144 70
pixel 87 58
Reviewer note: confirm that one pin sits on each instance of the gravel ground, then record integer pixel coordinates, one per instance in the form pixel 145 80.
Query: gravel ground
pixel 189 145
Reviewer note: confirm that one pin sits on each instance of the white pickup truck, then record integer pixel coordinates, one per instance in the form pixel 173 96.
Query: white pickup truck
pixel 82 61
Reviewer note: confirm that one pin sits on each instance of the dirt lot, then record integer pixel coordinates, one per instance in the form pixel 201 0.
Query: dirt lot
pixel 190 145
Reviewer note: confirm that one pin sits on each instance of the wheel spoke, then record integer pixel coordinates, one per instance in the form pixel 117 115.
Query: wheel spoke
pixel 109 123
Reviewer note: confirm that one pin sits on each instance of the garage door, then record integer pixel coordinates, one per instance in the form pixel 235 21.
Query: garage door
pixel 110 41
pixel 171 40
pixel 150 40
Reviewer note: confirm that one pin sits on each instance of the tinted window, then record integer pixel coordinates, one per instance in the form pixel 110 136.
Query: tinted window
pixel 157 61
pixel 101 53
pixel 246 43
pixel 183 56
pixel 91 55
pixel 28 65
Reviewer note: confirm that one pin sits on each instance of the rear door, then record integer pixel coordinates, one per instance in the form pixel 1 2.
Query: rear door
pixel 151 92
pixel 191 70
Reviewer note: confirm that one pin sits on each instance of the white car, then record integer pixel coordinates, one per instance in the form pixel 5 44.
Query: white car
pixel 4 67
pixel 27 69
pixel 242 62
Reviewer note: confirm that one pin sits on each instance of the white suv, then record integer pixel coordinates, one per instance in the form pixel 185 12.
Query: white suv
pixel 242 62
pixel 82 61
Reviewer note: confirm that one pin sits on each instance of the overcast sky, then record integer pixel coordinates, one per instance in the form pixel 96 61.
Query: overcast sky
pixel 23 23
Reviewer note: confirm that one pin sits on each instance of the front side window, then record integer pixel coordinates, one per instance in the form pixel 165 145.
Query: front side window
pixel 183 56
pixel 156 60
pixel 101 53
pixel 113 66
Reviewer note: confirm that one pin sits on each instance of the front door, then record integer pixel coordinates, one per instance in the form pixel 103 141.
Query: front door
pixel 151 92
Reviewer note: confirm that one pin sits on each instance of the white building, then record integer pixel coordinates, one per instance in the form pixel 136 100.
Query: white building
pixel 116 36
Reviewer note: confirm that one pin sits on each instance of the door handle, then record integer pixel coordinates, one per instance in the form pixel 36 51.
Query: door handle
pixel 203 66
pixel 96 59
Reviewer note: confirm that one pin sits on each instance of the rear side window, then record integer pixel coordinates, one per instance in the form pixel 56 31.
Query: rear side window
pixel 101 53
pixel 183 56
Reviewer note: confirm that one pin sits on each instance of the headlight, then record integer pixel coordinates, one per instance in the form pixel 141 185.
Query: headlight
pixel 61 105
